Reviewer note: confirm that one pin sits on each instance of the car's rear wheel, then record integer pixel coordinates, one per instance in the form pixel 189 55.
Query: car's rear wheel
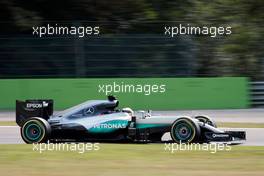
pixel 35 130
pixel 185 130
pixel 207 120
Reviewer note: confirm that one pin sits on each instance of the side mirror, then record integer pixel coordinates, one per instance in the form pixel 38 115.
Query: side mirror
pixel 149 113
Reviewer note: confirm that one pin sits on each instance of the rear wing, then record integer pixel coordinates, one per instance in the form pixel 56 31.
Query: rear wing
pixel 33 108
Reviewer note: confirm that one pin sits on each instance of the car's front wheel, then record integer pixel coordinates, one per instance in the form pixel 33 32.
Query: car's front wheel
pixel 185 130
pixel 35 130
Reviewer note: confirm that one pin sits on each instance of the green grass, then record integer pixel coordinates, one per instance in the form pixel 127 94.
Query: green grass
pixel 131 159
pixel 7 123
pixel 220 124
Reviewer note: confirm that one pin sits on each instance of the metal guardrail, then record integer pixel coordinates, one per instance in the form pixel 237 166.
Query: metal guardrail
pixel 257 94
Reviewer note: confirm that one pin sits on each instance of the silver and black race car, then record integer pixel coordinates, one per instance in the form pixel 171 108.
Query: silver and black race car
pixel 100 120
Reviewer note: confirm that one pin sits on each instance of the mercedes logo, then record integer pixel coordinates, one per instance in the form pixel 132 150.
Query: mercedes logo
pixel 90 110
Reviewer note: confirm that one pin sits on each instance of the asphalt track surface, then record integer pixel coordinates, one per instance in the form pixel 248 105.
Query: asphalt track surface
pixel 255 136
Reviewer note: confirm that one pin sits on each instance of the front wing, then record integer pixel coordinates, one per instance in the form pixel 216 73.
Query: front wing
pixel 226 136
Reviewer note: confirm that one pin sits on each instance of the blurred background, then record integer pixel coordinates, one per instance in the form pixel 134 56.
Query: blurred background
pixel 132 44
pixel 222 77
pixel 131 41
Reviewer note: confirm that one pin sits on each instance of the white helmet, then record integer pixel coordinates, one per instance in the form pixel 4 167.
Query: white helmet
pixel 128 110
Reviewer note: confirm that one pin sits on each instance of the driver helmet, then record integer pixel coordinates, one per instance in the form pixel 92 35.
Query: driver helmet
pixel 128 110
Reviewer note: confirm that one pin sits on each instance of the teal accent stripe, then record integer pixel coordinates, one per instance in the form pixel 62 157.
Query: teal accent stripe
pixel 150 125
pixel 109 126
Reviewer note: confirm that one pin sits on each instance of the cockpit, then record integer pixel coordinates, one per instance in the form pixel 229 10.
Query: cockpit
pixel 98 107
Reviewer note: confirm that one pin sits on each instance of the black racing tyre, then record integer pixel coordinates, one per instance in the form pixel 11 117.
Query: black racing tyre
pixel 207 120
pixel 35 130
pixel 185 130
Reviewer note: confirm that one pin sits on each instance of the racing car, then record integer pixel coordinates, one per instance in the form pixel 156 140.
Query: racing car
pixel 101 120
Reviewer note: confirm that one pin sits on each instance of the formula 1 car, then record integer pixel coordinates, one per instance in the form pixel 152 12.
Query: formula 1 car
pixel 100 120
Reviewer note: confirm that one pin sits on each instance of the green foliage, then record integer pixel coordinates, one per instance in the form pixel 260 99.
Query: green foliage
pixel 238 54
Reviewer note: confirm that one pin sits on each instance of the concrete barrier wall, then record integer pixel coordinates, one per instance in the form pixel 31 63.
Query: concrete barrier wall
pixel 177 93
